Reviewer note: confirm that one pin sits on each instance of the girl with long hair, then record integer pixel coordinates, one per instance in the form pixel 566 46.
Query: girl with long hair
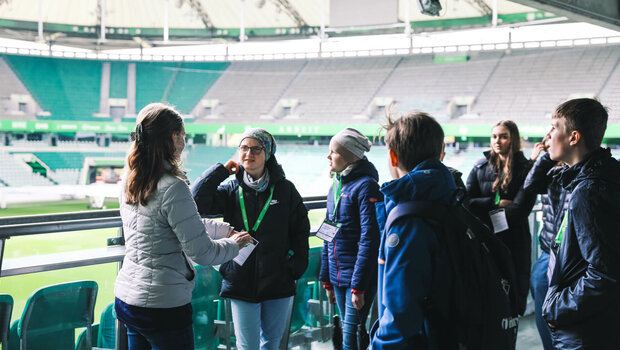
pixel 496 196
pixel 163 231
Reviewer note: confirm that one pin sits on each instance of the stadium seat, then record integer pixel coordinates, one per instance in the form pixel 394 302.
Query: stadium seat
pixel 6 307
pixel 52 314
pixel 307 314
pixel 104 331
pixel 205 300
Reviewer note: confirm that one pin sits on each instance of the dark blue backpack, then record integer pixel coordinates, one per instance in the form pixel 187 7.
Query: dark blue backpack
pixel 483 300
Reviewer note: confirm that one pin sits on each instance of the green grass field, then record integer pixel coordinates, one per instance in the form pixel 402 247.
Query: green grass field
pixel 21 287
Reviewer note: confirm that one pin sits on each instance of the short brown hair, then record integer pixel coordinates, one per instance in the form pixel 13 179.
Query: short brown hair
pixel 586 115
pixel 414 137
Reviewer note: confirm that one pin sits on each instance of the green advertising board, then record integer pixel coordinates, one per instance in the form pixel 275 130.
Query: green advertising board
pixel 462 131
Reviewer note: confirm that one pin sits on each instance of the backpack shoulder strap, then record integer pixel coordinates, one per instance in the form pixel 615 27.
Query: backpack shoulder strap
pixel 426 209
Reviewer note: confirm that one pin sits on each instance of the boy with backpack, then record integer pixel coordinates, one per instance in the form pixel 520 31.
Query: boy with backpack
pixel 444 280
pixel 582 304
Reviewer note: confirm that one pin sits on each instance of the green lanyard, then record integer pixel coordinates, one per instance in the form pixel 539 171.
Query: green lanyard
pixel 337 194
pixel 560 236
pixel 497 198
pixel 262 213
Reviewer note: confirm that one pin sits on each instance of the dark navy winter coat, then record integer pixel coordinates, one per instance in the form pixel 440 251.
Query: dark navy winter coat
pixel 583 300
pixel 350 260
pixel 281 256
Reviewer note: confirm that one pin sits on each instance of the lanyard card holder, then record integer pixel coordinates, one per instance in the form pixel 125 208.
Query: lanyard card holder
pixel 244 253
pixel 498 219
pixel 328 230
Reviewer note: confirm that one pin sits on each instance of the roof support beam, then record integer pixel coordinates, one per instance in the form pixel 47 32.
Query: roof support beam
pixel 196 5
pixel 605 13
pixel 291 11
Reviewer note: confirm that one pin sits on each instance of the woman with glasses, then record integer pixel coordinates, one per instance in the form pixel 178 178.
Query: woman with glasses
pixel 260 200
pixel 162 230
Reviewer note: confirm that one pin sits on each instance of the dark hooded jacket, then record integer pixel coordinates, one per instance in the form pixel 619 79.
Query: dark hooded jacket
pixel 517 238
pixel 540 181
pixel 583 301
pixel 281 256
pixel 350 259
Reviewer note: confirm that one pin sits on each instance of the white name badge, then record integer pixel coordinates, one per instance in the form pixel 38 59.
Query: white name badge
pixel 498 219
pixel 245 252
pixel 328 230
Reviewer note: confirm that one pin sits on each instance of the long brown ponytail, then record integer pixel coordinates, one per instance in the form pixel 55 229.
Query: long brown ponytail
pixel 504 169
pixel 152 153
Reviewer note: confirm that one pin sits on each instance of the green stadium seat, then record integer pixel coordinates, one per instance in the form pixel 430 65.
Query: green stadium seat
pixel 52 314
pixel 206 308
pixel 6 307
pixel 104 331
pixel 68 88
pixel 82 340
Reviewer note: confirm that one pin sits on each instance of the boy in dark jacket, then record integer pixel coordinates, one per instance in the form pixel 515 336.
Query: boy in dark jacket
pixel 582 304
pixel 554 202
pixel 412 266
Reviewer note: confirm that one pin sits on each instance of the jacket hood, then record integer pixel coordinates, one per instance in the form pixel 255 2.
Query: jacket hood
pixel 598 165
pixel 429 180
pixel 362 168
pixel 276 173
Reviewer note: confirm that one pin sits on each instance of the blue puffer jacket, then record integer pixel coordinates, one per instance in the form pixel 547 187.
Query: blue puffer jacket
pixel 350 260
pixel 412 266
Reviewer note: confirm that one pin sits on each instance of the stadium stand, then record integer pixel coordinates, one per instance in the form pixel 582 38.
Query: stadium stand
pixel 11 85
pixel 248 90
pixel 527 85
pixel 14 172
pixel 521 84
pixel 181 84
pixel 67 88
pixel 190 82
pixel 420 83
pixel 118 79
pixel 339 88
pixel 610 93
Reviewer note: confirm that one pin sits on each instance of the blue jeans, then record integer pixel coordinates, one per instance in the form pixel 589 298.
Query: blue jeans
pixel 351 317
pixel 260 324
pixel 539 286
pixel 177 339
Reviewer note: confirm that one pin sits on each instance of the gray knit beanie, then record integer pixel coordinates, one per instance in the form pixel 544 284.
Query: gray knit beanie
pixel 352 144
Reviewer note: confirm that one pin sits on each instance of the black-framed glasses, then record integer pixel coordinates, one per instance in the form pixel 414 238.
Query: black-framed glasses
pixel 255 150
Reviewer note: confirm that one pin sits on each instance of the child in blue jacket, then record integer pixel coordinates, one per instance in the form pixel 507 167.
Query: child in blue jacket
pixel 411 263
pixel 349 263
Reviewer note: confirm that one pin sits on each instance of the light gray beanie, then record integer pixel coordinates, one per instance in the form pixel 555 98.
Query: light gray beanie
pixel 352 141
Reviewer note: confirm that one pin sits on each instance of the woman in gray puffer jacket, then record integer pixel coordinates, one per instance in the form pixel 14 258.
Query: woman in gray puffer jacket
pixel 163 231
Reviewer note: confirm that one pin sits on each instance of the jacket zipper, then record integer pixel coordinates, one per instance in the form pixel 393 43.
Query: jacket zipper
pixel 337 265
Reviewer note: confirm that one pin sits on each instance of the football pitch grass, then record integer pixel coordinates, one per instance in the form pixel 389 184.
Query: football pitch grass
pixel 21 287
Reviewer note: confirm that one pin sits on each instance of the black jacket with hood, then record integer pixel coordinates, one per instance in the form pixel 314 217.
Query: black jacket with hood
pixel 281 256
pixel 517 238
pixel 583 301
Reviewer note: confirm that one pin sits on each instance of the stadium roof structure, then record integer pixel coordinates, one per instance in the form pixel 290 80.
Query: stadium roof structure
pixel 122 24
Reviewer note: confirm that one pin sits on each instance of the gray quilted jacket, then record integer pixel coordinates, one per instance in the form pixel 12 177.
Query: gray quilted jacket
pixel 159 239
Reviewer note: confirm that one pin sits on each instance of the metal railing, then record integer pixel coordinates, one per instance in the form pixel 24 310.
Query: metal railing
pixel 53 223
